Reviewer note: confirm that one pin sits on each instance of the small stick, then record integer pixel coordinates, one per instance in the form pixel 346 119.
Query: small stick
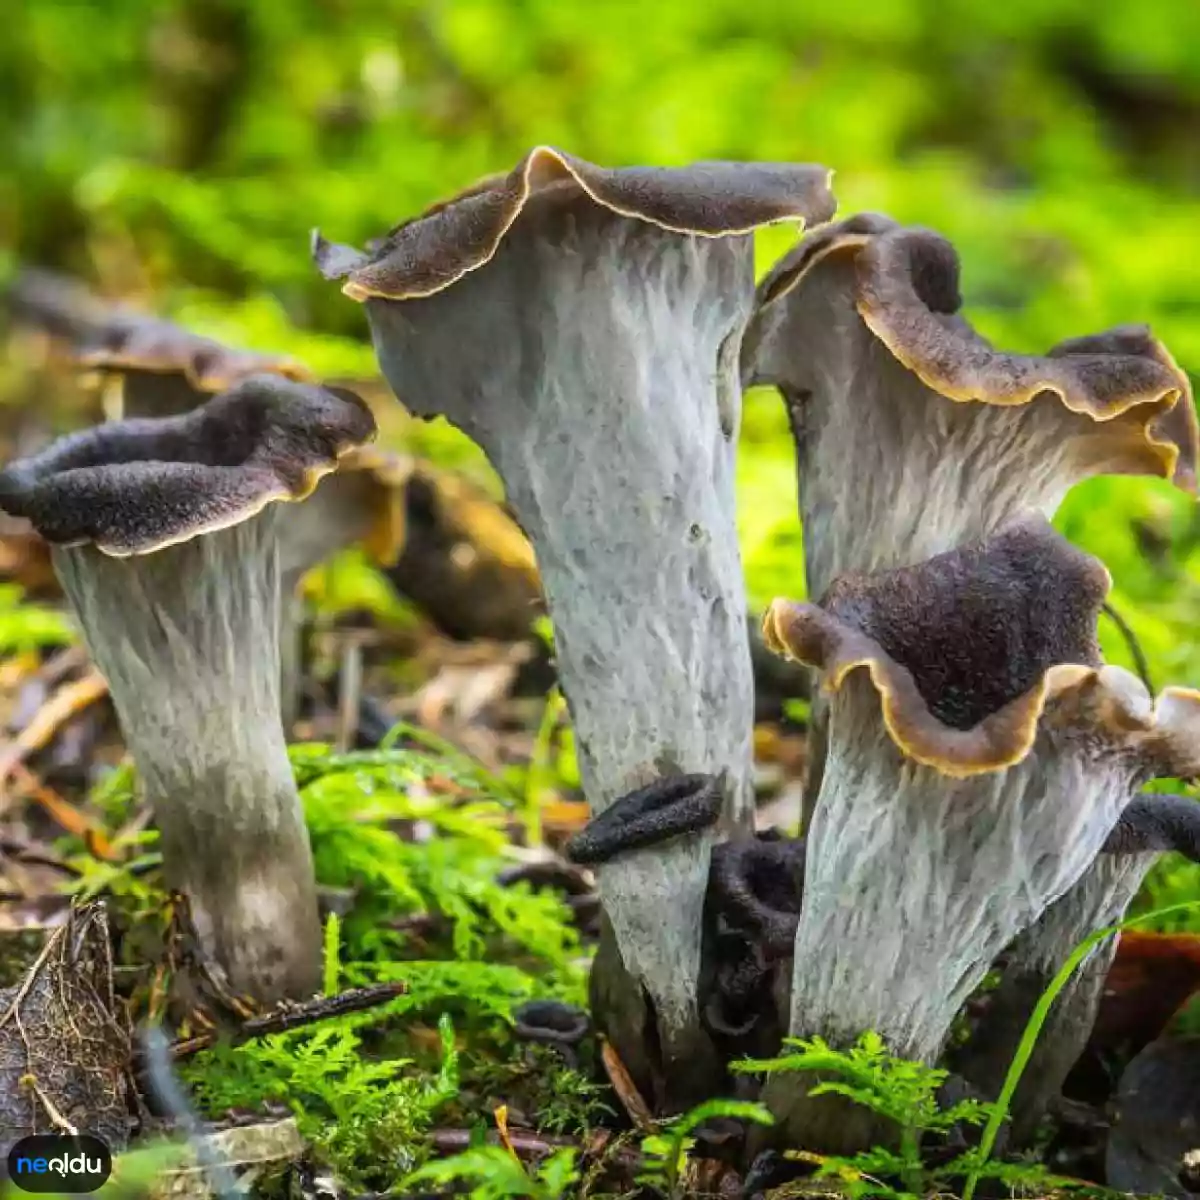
pixel 64 813
pixel 349 694
pixel 627 1092
pixel 293 1016
pixel 70 700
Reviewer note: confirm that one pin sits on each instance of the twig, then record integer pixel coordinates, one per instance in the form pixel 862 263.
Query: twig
pixel 293 1016
pixel 527 1145
pixel 627 1092
pixel 1134 646
pixel 67 702
pixel 349 694
pixel 56 1117
pixel 64 813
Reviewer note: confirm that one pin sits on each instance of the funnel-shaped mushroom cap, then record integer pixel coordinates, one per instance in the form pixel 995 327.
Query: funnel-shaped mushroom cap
pixel 860 329
pixel 136 486
pixel 967 650
pixel 54 304
pixel 979 755
pixel 713 199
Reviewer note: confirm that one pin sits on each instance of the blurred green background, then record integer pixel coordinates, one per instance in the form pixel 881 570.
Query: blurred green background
pixel 178 153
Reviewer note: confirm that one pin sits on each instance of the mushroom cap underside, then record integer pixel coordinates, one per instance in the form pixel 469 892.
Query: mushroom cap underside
pixel 906 290
pixel 137 486
pixel 432 251
pixel 969 651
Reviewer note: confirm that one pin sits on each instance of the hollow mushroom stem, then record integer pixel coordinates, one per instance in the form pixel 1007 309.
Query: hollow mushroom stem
pixel 1150 826
pixel 582 325
pixel 979 756
pixel 166 537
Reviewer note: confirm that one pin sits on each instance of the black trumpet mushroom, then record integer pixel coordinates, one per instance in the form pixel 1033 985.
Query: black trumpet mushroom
pixel 913 433
pixel 166 535
pixel 583 326
pixel 980 755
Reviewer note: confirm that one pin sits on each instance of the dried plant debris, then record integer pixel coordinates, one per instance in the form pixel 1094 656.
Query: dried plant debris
pixel 253 1153
pixel 65 1052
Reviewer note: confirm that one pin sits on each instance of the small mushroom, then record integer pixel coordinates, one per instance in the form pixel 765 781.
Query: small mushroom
pixel 582 325
pixel 166 537
pixel 860 330
pixel 1149 827
pixel 979 756
pixel 552 1023
pixel 754 895
pixel 53 304
pixel 166 370
pixel 465 562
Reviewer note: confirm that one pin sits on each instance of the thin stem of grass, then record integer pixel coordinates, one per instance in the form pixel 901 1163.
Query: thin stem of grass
pixel 333 957
pixel 540 772
pixel 1033 1030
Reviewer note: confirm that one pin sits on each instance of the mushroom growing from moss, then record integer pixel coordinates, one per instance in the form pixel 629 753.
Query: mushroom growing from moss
pixel 1149 827
pixel 583 326
pixel 859 328
pixel 980 755
pixel 165 535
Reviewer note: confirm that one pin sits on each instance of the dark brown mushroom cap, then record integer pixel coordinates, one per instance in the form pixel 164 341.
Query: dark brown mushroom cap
pixel 968 649
pixel 130 342
pixel 908 295
pixel 709 199
pixel 133 487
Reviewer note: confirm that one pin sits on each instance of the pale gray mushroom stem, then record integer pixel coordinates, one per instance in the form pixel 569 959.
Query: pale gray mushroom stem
pixel 576 324
pixel 187 638
pixel 593 360
pixel 1150 826
pixel 979 756
pixel 166 535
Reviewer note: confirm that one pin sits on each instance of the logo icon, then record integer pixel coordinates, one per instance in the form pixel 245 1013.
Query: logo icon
pixel 57 1162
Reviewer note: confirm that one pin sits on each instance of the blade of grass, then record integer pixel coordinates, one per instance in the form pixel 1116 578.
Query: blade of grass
pixel 1033 1030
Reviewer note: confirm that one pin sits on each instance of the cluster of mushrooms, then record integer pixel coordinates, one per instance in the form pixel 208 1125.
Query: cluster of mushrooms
pixel 975 785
